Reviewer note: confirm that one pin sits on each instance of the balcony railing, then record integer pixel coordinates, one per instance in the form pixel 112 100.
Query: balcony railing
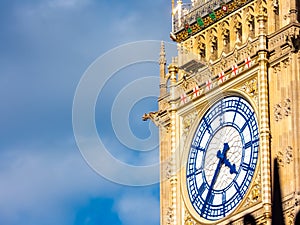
pixel 189 12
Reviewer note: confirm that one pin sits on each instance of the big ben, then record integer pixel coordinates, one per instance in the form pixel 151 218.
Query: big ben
pixel 229 105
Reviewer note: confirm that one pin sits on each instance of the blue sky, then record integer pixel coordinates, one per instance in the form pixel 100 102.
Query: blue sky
pixel 46 47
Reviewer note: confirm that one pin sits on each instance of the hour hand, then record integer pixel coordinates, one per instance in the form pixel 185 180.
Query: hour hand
pixel 222 155
pixel 231 167
pixel 223 159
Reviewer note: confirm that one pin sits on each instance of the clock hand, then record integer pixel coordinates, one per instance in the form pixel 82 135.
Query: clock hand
pixel 231 167
pixel 221 156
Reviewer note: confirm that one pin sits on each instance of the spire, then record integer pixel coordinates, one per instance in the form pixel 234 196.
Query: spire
pixel 173 6
pixel 162 65
pixel 162 58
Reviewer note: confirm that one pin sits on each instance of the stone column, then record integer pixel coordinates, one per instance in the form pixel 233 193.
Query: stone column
pixel 173 70
pixel 265 151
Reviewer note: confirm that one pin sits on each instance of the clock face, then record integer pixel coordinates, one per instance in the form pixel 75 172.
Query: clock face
pixel 222 158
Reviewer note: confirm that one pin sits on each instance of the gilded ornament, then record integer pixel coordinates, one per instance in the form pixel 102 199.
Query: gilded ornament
pixel 188 219
pixel 255 193
pixel 251 88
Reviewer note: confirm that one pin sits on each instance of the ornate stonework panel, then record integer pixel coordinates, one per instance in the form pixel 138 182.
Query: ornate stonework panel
pixel 188 220
pixel 277 112
pixel 282 109
pixel 290 217
pixel 187 122
pixel 164 105
pixel 167 169
pixel 255 193
pixel 284 42
pixel 251 89
pixel 287 107
pixel 170 216
pixel 285 156
pixel 188 84
pixel 276 68
pixel 198 84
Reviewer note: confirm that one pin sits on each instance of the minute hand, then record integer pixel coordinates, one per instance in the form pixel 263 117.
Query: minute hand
pixel 221 156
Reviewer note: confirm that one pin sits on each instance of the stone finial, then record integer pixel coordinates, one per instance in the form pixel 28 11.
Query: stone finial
pixel 162 58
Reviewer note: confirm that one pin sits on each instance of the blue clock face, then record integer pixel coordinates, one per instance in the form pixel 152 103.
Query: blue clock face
pixel 222 158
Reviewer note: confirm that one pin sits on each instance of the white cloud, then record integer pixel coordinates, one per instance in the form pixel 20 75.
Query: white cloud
pixel 42 185
pixel 46 186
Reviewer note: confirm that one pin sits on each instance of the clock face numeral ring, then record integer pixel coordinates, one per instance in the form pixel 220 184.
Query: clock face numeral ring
pixel 222 158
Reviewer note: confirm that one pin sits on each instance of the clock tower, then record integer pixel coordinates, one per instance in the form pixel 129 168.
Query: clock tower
pixel 229 105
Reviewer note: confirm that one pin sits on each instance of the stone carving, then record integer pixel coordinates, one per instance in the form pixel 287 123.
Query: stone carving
pixel 286 62
pixel 290 218
pixel 203 76
pixel 255 193
pixel 188 84
pixel 168 169
pixel 275 5
pixel 280 158
pixel 188 220
pixel 277 112
pixel 164 105
pixel 277 68
pixel 160 119
pixel 223 64
pixel 289 154
pixel 251 88
pixel 170 216
pixel 261 8
pixel 187 123
pixel 153 116
pixel 293 41
pixel 287 107
pixel 285 157
pixel 289 37
pixel 236 56
pixel 282 109
pixel 249 49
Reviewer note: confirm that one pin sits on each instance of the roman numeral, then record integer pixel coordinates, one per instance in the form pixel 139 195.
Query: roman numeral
pixel 248 144
pixel 246 167
pixel 211 198
pixel 198 148
pixel 198 171
pixel 201 189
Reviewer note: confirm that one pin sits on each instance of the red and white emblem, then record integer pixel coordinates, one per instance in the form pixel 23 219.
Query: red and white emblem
pixel 222 76
pixel 196 91
pixel 208 84
pixel 235 70
pixel 184 98
pixel 224 8
pixel 248 62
